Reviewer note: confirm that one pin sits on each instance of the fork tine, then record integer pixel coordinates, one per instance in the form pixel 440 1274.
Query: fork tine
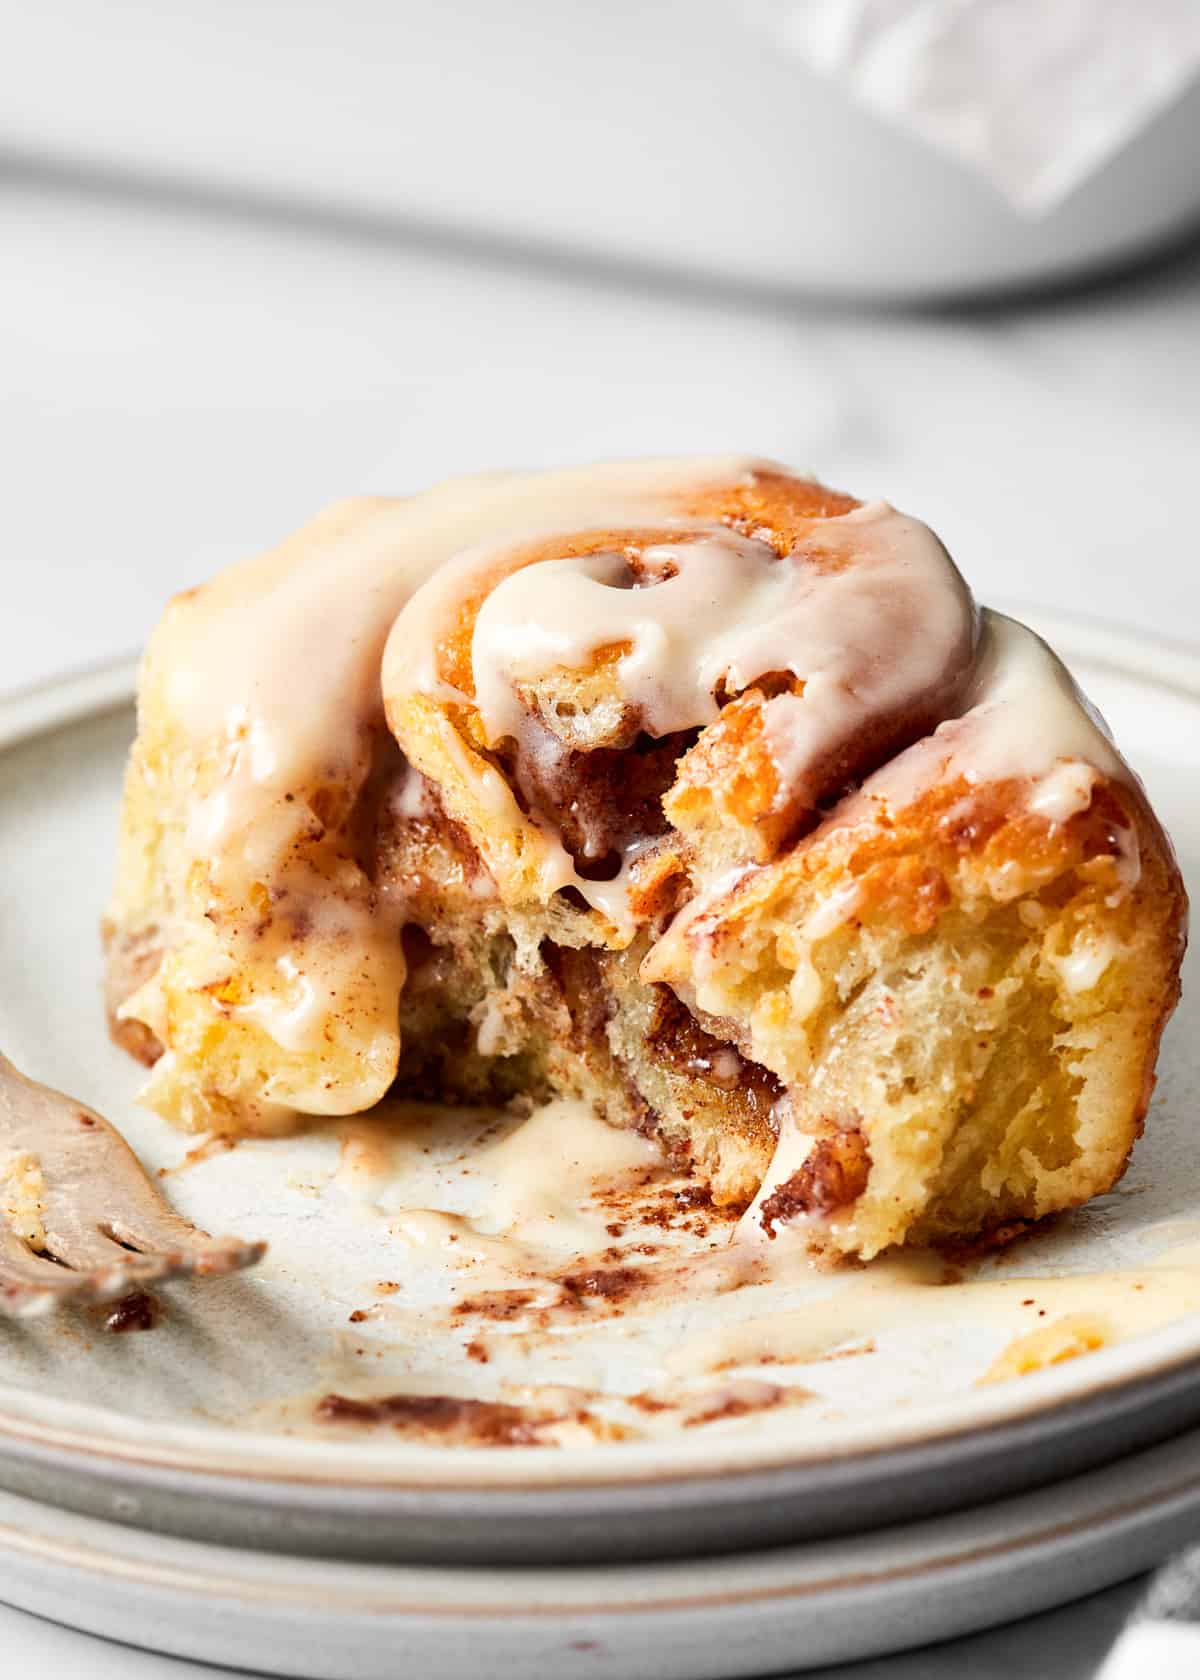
pixel 146 1224
pixel 76 1245
pixel 190 1253
pixel 30 1284
pixel 102 1217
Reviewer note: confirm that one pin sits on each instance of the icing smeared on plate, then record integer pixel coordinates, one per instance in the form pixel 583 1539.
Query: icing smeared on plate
pixel 704 1329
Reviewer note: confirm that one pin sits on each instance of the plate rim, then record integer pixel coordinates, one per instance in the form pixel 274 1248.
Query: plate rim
pixel 1116 1494
pixel 46 1429
pixel 918 1581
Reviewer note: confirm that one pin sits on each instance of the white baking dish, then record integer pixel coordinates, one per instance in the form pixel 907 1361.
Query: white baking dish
pixel 668 134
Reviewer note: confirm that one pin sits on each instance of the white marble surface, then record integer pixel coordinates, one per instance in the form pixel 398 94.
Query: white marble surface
pixel 182 383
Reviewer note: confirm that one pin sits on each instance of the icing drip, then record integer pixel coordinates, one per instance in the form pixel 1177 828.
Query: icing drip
pixel 1026 721
pixel 1025 718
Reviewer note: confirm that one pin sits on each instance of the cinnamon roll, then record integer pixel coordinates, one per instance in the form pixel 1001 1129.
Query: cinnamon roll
pixel 692 788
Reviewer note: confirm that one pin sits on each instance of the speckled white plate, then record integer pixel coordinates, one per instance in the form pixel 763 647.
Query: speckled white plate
pixel 204 1428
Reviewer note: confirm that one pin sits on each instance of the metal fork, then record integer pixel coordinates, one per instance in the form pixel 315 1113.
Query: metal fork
pixel 107 1230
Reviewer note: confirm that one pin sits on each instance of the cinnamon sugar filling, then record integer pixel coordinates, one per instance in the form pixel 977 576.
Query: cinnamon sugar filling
pixel 600 802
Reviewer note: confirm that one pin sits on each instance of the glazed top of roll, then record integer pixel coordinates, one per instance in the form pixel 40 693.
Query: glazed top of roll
pixel 683 584
pixel 759 654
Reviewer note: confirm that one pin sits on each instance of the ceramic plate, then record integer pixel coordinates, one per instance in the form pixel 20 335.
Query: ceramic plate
pixel 779 1611
pixel 628 1389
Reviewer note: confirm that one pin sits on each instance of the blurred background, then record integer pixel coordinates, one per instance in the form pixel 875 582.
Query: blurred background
pixel 257 256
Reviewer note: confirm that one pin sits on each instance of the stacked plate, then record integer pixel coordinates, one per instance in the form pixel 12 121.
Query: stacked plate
pixel 174 1490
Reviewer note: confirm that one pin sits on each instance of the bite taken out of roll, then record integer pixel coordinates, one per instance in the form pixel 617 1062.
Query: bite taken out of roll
pixel 691 788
